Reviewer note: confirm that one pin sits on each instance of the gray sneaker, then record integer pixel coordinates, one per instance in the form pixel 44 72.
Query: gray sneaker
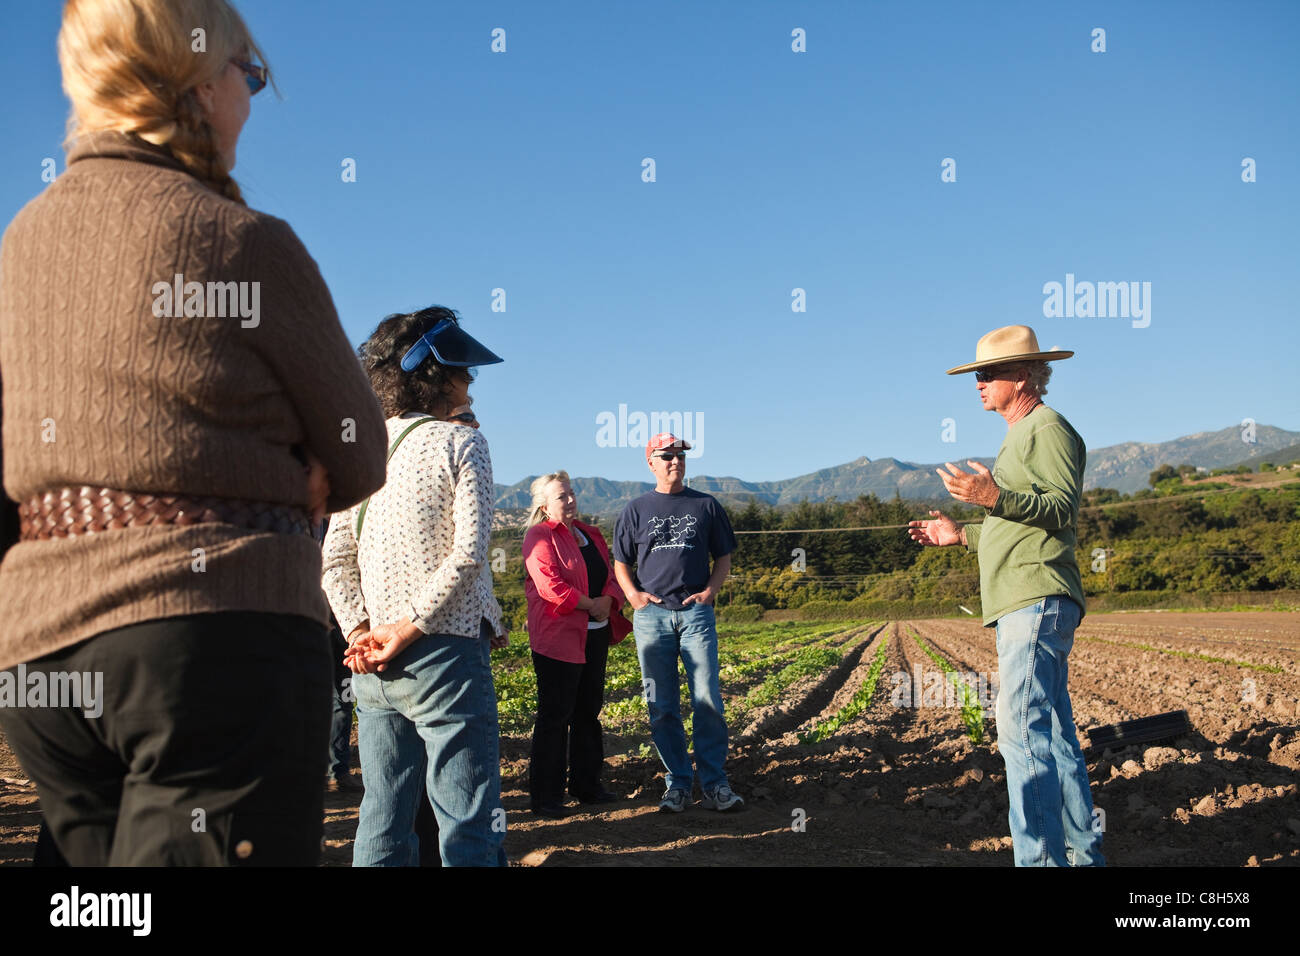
pixel 722 799
pixel 674 801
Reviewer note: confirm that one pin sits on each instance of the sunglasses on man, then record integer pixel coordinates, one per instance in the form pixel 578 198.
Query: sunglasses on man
pixel 989 374
pixel 669 455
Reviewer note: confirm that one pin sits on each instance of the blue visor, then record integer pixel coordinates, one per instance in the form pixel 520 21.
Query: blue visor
pixel 449 345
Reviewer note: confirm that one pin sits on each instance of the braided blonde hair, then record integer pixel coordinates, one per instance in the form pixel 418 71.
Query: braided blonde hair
pixel 130 66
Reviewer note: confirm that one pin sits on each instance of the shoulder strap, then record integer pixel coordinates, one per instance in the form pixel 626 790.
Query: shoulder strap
pixel 361 515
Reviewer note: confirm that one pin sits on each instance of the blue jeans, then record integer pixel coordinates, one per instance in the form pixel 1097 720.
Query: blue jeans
pixel 1047 777
pixel 661 636
pixel 431 714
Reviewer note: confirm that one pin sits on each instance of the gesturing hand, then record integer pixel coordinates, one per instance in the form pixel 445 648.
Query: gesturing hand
pixel 974 489
pixel 942 530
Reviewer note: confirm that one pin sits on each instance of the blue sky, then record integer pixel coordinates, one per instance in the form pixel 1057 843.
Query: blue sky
pixel 777 170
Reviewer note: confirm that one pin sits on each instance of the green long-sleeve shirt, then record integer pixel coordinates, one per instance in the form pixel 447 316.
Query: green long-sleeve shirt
pixel 1026 544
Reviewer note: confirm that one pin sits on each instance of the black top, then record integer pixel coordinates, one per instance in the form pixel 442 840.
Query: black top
pixel 596 571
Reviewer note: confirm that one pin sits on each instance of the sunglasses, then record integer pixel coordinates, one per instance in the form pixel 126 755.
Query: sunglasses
pixel 989 374
pixel 670 455
pixel 254 76
pixel 466 417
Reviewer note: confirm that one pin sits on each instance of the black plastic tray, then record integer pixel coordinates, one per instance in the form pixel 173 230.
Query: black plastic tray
pixel 1144 730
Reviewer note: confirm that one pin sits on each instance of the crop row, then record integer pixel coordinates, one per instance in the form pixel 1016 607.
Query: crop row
pixel 748 649
pixel 740 665
pixel 1266 668
pixel 736 664
pixel 972 712
pixel 809 660
pixel 860 702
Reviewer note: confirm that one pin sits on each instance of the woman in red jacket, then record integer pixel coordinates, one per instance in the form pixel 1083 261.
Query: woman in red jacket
pixel 574 615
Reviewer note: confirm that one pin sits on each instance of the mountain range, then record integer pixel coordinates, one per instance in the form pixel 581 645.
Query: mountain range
pixel 1124 467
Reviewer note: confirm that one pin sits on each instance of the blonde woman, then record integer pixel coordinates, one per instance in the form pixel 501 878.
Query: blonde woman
pixel 574 615
pixel 186 360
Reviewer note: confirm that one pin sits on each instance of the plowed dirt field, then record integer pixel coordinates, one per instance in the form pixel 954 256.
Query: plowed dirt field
pixel 902 783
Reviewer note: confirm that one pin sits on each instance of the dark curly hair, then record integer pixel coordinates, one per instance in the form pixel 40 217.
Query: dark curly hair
pixel 426 388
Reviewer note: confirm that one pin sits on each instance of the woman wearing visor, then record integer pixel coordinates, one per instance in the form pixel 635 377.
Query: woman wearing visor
pixel 407 575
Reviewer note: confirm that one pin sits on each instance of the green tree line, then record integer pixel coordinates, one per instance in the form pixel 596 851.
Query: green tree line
pixel 1226 539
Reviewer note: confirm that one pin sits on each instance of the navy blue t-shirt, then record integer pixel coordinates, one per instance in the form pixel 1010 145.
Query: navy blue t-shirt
pixel 668 540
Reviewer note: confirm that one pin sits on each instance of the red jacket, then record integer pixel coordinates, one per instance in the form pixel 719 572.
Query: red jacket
pixel 557 580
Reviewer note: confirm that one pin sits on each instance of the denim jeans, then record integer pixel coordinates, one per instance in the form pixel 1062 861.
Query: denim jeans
pixel 1047 777
pixel 661 637
pixel 431 714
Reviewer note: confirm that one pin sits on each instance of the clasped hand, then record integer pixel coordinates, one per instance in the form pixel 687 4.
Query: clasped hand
pixel 371 651
pixel 601 608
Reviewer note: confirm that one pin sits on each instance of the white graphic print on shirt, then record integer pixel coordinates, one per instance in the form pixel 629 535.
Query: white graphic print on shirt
pixel 672 532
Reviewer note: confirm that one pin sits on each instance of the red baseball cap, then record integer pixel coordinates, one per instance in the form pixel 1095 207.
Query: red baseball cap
pixel 664 440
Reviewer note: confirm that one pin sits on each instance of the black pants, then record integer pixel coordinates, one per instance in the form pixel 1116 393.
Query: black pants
pixel 209 750
pixel 569 698
pixel 342 702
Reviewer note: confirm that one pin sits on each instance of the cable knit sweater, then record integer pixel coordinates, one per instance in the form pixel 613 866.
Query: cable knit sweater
pixel 104 383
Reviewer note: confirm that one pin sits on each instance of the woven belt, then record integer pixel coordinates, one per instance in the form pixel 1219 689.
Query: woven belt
pixel 68 512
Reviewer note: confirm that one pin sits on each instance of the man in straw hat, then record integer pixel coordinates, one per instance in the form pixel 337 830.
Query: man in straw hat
pixel 1031 591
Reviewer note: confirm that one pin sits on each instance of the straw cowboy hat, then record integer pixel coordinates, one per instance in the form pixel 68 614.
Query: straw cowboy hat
pixel 1012 343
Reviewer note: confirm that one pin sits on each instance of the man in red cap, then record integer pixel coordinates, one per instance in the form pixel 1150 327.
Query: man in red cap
pixel 669 535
